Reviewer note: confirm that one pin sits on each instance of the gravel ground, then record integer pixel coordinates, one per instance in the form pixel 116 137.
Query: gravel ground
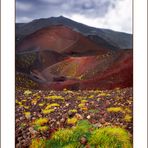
pixel 64 108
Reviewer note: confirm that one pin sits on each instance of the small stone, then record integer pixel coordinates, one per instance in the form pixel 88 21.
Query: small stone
pixel 62 120
pixel 39 115
pixel 33 118
pixel 98 125
pixel 24 136
pixel 71 114
pixel 83 140
pixel 101 112
pixel 78 116
pixel 21 118
pixel 105 115
pixel 58 123
pixel 19 138
pixel 88 146
pixel 23 141
pixel 98 99
pixel 18 145
pixel 102 121
pixel 88 117
pixel 28 133
pixel 67 104
pixel 31 129
pixel 17 120
pixel 107 103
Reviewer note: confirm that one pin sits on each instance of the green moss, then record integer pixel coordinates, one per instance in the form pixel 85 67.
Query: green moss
pixel 62 136
pixel 23 125
pixel 37 143
pixel 73 110
pixel 52 144
pixel 54 97
pixel 72 121
pixel 68 138
pixel 41 121
pixel 81 105
pixel 82 129
pixel 128 118
pixel 43 128
pixel 73 145
pixel 52 105
pixel 93 111
pixel 114 109
pixel 110 137
pixel 47 111
pixel 91 97
pixel 41 104
pixel 84 101
pixel 27 115
pixel 27 92
pixel 107 137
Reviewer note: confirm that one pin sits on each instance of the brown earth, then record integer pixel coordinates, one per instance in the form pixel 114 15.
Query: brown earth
pixel 57 57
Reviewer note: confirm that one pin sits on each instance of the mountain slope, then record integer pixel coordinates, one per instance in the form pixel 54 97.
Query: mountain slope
pixel 58 53
pixel 116 39
pixel 61 39
pixel 92 72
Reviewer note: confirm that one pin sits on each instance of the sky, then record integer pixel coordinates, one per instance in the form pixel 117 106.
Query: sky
pixel 109 14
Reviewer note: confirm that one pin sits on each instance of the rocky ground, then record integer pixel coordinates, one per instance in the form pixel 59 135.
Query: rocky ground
pixel 39 113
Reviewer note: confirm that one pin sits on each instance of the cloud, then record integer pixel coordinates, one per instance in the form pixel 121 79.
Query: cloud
pixel 113 14
pixel 118 18
pixel 52 1
pixel 23 6
pixel 23 19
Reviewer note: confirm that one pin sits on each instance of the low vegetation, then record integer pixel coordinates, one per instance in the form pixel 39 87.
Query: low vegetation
pixel 43 116
pixel 84 135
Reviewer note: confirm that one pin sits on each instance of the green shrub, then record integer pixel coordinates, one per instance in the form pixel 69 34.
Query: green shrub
pixel 37 143
pixel 106 137
pixel 73 145
pixel 62 136
pixel 110 137
pixel 82 129
pixel 70 137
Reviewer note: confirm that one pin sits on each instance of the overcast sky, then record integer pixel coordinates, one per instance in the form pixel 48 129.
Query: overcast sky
pixel 110 14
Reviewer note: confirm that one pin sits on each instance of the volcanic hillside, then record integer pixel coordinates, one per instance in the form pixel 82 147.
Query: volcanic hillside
pixel 107 71
pixel 116 40
pixel 58 57
pixel 60 39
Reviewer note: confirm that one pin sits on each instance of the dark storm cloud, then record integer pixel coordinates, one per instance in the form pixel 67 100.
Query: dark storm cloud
pixel 27 10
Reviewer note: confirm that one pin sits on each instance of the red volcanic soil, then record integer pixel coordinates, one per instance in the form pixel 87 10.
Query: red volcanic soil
pixel 67 59
pixel 94 72
pixel 60 39
pixel 119 74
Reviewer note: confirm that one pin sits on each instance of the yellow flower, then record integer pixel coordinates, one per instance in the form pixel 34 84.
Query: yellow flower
pixel 54 97
pixel 27 115
pixel 84 108
pixel 26 107
pixel 91 97
pixel 41 104
pixel 114 109
pixel 43 128
pixel 84 101
pixel 41 121
pixel 52 105
pixel 27 92
pixel 128 118
pixel 47 111
pixel 72 120
pixel 81 105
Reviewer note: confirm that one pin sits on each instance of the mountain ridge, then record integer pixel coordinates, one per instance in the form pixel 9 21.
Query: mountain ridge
pixel 117 39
